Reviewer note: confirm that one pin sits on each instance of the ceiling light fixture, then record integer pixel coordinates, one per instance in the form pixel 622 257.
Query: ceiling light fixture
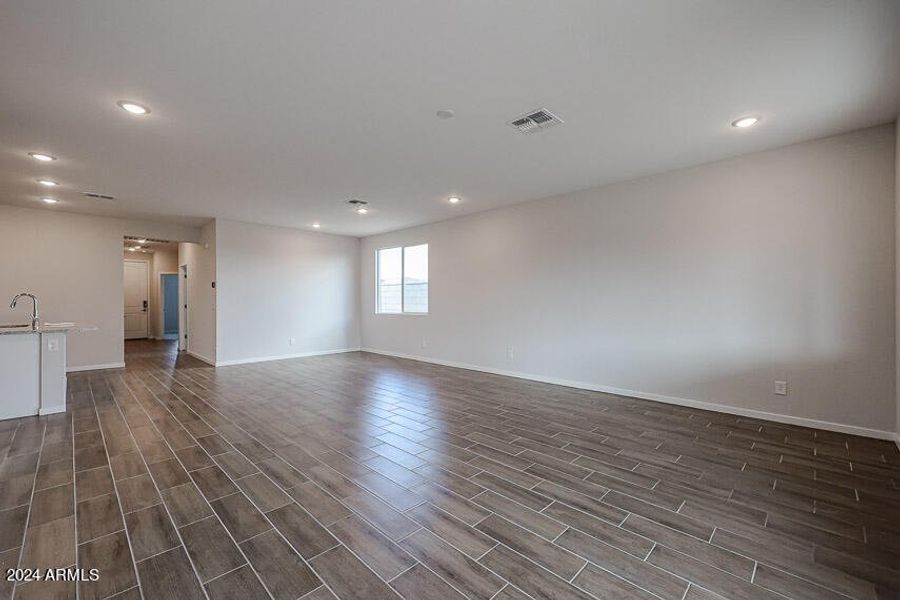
pixel 316 225
pixel 41 156
pixel 132 249
pixel 133 107
pixel 745 122
pixel 453 199
pixel 445 113
pixel 141 241
pixel 50 200
pixel 47 182
pixel 362 210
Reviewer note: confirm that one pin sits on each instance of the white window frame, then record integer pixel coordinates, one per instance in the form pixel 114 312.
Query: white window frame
pixel 403 311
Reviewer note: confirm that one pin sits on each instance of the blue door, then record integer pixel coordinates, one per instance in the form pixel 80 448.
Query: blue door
pixel 170 304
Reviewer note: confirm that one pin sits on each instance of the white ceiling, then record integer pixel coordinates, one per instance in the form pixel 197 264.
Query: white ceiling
pixel 277 112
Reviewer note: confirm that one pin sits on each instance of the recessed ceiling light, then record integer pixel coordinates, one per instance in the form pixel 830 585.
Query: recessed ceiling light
pixel 50 200
pixel 132 249
pixel 141 241
pixel 453 199
pixel 133 107
pixel 445 113
pixel 316 225
pixel 744 122
pixel 47 182
pixel 362 210
pixel 41 157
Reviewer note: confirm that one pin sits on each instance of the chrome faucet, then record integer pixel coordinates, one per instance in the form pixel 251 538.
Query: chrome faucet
pixel 35 319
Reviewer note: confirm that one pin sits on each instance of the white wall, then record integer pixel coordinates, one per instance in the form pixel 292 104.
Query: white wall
pixel 276 283
pixel 200 259
pixel 73 264
pixel 705 284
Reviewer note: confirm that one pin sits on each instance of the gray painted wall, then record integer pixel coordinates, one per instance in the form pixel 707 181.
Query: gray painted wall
pixel 897 257
pixel 704 284
pixel 73 263
pixel 200 259
pixel 276 284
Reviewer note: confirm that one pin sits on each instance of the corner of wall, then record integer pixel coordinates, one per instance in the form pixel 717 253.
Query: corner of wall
pixel 208 234
pixel 359 291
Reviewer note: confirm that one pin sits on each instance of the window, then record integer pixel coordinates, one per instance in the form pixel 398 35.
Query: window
pixel 415 279
pixel 401 280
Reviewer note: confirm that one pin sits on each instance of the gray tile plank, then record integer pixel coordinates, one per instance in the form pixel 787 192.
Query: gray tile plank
pixel 349 577
pixel 281 569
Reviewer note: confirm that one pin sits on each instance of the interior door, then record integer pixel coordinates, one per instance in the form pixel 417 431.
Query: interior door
pixel 136 296
pixel 170 304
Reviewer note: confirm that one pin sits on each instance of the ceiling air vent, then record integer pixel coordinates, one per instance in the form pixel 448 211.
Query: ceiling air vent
pixel 143 240
pixel 535 120
pixel 359 206
pixel 97 196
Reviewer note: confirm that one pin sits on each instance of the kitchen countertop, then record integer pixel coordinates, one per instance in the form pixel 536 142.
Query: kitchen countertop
pixel 45 328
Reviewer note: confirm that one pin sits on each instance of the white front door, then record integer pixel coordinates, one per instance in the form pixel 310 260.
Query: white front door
pixel 136 297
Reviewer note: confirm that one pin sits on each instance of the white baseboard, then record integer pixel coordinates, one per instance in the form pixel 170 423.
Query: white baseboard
pixel 200 357
pixel 700 404
pixel 118 365
pixel 51 410
pixel 256 359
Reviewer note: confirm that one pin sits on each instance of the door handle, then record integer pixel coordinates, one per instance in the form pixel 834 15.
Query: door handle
pixel 145 307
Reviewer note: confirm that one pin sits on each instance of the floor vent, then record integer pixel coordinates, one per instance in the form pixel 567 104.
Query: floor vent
pixel 535 120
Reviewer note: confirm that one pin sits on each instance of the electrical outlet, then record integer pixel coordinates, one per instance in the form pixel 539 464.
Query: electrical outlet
pixel 510 354
pixel 781 388
pixel 291 341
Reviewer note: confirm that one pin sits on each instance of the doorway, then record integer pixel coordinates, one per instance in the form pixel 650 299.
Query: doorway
pixel 168 300
pixel 150 289
pixel 137 286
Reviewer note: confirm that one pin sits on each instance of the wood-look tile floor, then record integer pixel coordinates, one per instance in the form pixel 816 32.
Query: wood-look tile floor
pixel 361 476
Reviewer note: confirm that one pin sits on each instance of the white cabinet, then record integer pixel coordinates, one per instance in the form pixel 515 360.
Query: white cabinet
pixel 32 373
pixel 20 375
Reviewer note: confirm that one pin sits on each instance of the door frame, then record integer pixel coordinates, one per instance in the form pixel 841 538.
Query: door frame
pixel 183 308
pixel 162 303
pixel 149 295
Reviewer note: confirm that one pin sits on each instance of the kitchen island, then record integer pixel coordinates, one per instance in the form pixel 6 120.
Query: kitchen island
pixel 33 369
